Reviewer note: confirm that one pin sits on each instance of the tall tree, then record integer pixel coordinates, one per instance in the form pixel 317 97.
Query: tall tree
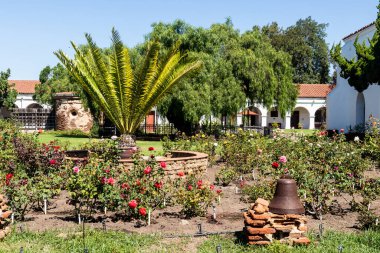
pixel 236 67
pixel 8 95
pixel 305 42
pixel 126 94
pixel 364 69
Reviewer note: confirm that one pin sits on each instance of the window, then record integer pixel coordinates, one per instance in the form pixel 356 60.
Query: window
pixel 274 114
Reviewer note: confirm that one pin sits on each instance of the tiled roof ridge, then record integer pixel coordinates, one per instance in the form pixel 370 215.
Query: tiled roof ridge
pixel 318 90
pixel 359 30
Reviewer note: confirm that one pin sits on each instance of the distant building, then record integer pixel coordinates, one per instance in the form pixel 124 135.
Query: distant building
pixel 26 89
pixel 309 112
pixel 347 107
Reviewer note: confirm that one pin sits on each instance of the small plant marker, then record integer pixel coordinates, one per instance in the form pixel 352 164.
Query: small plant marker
pixel 22 250
pixel 320 230
pixel 79 219
pixel 105 210
pixel 369 206
pixel 149 217
pixel 104 225
pixel 12 218
pixel 340 248
pixel 377 221
pixel 164 202
pixel 200 232
pixel 219 249
pixel 253 174
pixel 218 199
pixel 45 206
pixel 214 212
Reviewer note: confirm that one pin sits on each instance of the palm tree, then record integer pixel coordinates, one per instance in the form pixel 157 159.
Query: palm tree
pixel 124 94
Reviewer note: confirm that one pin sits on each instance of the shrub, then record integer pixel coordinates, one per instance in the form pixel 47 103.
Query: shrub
pixel 225 176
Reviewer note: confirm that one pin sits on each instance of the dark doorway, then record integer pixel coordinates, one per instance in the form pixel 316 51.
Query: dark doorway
pixel 295 119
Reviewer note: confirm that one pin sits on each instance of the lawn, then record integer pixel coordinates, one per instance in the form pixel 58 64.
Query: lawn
pixel 112 241
pixel 72 142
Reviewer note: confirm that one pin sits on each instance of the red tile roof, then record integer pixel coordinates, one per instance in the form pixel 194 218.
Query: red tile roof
pixel 358 31
pixel 314 90
pixel 24 86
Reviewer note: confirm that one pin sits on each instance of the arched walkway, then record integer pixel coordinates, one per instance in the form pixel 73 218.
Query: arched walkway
pixel 320 118
pixel 253 116
pixel 300 118
pixel 360 109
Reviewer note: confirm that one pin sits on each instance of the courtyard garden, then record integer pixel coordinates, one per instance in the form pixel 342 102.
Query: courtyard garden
pixel 61 205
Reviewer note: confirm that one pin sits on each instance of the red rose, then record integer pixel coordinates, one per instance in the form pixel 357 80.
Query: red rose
pixel 163 165
pixel 138 183
pixel 199 184
pixel 111 181
pixel 132 204
pixel 180 173
pixel 151 148
pixel 8 178
pixel 142 211
pixel 275 165
pixel 40 131
pixel 56 148
pixel 107 171
pixel 125 186
pixel 158 185
pixel 189 187
pixel 52 161
pixel 104 180
pixel 147 170
pixel 152 156
pixel 212 187
pixel 219 191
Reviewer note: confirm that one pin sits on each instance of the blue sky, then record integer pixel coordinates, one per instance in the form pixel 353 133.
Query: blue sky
pixel 31 30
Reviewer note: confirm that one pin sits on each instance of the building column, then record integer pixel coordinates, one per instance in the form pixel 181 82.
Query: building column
pixel 312 122
pixel 287 120
pixel 263 120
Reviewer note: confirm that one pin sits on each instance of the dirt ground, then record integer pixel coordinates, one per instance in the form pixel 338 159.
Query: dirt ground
pixel 167 222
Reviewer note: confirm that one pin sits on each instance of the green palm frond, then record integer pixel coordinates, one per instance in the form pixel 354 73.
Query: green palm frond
pixel 124 94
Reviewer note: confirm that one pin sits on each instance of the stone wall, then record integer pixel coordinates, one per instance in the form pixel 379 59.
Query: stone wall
pixel 187 161
pixel 70 113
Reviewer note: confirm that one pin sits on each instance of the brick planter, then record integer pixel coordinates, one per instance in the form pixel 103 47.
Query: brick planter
pixel 187 161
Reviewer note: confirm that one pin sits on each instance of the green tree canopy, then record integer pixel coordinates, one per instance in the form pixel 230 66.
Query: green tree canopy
pixel 126 94
pixel 236 67
pixel 364 69
pixel 305 42
pixel 8 95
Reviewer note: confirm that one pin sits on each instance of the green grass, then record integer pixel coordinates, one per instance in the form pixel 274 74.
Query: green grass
pixel 111 241
pixel 72 142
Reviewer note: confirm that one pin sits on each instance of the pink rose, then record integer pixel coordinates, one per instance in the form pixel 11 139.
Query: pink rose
pixel 147 170
pixel 282 159
pixel 132 204
pixel 52 162
pixel 76 169
pixel 111 181
pixel 163 165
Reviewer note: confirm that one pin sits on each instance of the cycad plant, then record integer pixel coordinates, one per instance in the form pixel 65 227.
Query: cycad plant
pixel 126 94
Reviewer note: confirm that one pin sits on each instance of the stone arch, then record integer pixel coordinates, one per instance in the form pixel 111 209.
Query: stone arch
pixel 360 109
pixel 34 106
pixel 300 118
pixel 254 117
pixel 320 117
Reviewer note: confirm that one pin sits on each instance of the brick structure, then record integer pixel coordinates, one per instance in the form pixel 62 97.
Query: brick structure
pixel 5 214
pixel 70 113
pixel 263 227
pixel 187 161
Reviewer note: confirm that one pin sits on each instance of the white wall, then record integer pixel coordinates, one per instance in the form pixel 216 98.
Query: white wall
pixel 341 102
pixel 24 100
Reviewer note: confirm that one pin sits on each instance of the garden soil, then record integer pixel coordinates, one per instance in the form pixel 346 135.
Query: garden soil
pixel 170 224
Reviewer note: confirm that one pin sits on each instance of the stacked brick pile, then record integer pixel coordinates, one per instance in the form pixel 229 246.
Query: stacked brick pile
pixel 5 214
pixel 262 226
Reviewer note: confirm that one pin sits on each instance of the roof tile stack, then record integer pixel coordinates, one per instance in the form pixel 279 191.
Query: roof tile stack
pixel 262 226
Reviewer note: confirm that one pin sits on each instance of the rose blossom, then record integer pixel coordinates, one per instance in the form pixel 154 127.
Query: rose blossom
pixel 341 130
pixel 275 165
pixel 132 204
pixel 158 185
pixel 212 187
pixel 163 165
pixel 147 170
pixel 356 139
pixel 114 137
pixel 151 148
pixel 76 169
pixel 199 184
pixel 189 187
pixel 219 191
pixel 52 161
pixel 111 181
pixel 142 211
pixel 125 186
pixel 180 173
pixel 282 159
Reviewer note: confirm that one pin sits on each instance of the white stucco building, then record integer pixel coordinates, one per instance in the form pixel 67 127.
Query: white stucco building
pixel 347 107
pixel 25 89
pixel 309 112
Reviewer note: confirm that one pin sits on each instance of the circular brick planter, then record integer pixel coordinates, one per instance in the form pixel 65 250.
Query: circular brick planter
pixel 187 161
